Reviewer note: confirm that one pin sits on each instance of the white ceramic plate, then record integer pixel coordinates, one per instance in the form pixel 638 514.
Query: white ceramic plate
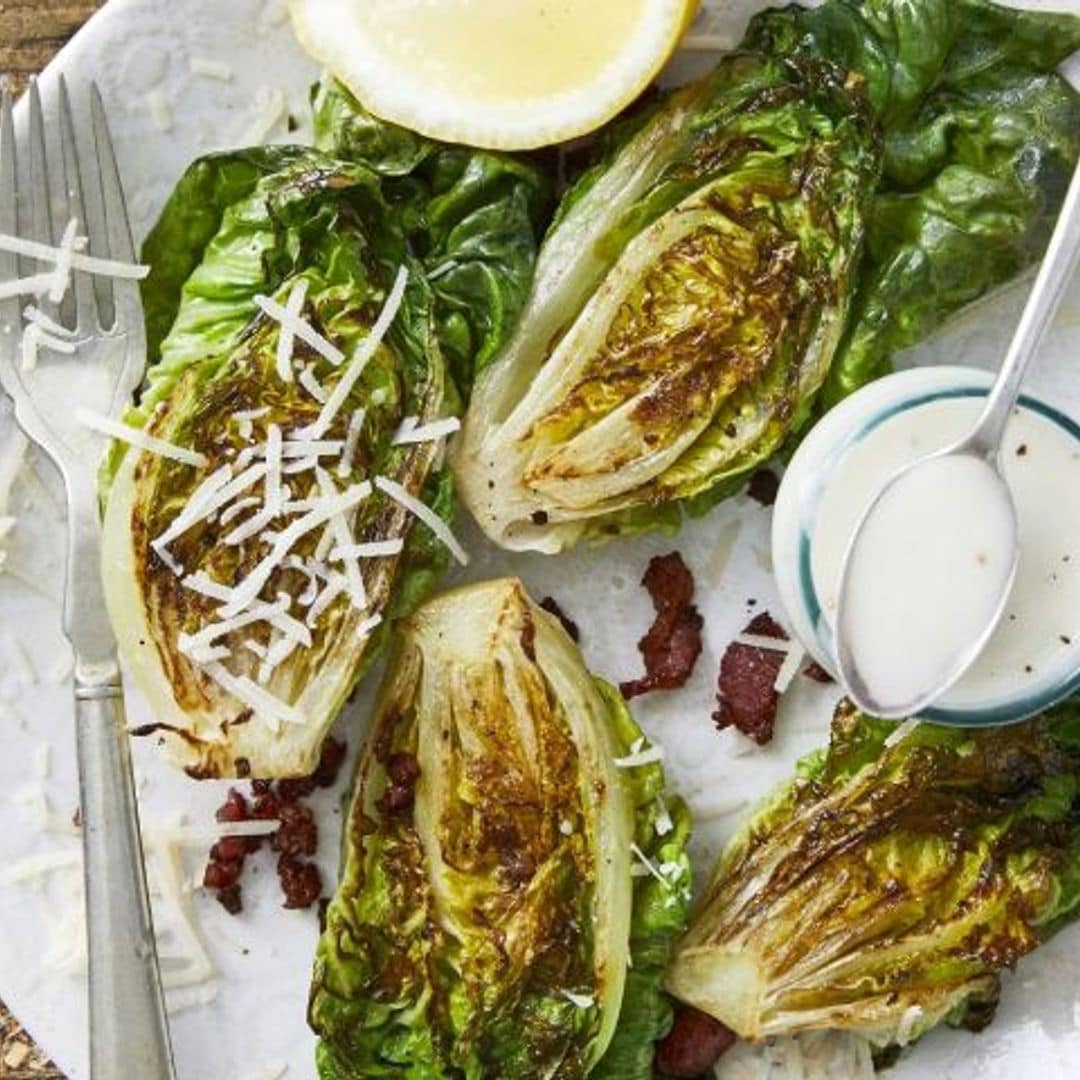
pixel 141 53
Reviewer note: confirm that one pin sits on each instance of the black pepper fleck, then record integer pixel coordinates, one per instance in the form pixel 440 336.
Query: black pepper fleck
pixel 1021 450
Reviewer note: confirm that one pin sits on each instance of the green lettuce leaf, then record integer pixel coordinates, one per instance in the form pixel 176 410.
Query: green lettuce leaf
pixel 981 138
pixel 473 217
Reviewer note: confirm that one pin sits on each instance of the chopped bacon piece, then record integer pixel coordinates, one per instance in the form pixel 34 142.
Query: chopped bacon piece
pixel 673 644
pixel 232 848
pixel 747 695
pixel 301 881
pixel 324 776
pixel 693 1045
pixel 764 487
pixel 297 835
pixel 815 671
pixel 221 873
pixel 402 770
pixel 266 807
pixel 550 605
pixel 231 898
pixel 235 807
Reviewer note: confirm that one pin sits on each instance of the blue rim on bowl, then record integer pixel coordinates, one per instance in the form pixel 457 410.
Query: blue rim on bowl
pixel 896 394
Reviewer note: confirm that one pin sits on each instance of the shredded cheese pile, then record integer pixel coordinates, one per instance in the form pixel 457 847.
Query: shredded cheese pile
pixel 188 972
pixel 251 500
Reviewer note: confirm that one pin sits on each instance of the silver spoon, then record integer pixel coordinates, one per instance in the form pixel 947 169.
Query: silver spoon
pixel 983 446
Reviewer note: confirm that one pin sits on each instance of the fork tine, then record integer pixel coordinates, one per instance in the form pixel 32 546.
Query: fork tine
pixel 86 316
pixel 120 246
pixel 41 226
pixel 9 220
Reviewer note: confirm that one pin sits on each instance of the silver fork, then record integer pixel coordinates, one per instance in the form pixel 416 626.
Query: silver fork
pixel 128 1029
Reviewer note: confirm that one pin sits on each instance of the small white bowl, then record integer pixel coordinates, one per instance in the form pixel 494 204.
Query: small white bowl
pixel 795 514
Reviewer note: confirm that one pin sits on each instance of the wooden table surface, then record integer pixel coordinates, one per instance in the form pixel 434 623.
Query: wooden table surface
pixel 31 31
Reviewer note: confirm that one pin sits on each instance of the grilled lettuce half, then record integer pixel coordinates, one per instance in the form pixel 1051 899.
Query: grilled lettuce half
pixel 885 888
pixel 758 245
pixel 489 922
pixel 259 222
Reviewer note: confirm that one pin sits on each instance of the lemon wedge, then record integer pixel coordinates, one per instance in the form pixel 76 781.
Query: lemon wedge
pixel 503 74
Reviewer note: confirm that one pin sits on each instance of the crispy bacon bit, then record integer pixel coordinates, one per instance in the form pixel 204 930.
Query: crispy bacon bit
pixel 266 807
pixel 231 898
pixel 298 833
pixel 221 873
pixel 235 808
pixel 232 848
pixel 551 606
pixel 226 863
pixel 324 776
pixel 300 881
pixel 673 643
pixel 693 1045
pixel 764 486
pixel 815 671
pixel 297 836
pixel 747 695
pixel 402 770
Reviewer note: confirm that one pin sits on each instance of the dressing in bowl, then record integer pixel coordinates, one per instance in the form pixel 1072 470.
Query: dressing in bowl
pixel 1033 657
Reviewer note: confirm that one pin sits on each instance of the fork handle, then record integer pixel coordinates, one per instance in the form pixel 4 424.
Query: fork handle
pixel 129 1035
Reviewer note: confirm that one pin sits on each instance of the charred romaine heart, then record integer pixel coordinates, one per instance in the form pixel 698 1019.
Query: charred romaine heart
pixel 687 304
pixel 314 317
pixel 514 873
pixel 884 889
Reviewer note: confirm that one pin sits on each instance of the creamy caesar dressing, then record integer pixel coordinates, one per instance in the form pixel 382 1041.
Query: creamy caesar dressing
pixel 1039 636
pixel 926 578
pixel 531 48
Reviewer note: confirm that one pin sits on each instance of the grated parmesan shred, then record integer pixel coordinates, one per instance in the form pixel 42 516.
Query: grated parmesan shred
pixel 33 249
pixel 410 433
pixel 61 280
pixel 294 305
pixel 360 358
pixel 273 711
pixel 424 512
pixel 352 443
pixel 247 591
pixel 312 385
pixel 342 535
pixel 139 439
pixel 211 69
pixel 301 329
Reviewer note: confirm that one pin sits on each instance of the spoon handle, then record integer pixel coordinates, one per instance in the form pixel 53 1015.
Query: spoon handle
pixel 1050 286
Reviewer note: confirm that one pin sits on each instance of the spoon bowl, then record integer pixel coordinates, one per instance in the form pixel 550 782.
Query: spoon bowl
pixel 898 646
